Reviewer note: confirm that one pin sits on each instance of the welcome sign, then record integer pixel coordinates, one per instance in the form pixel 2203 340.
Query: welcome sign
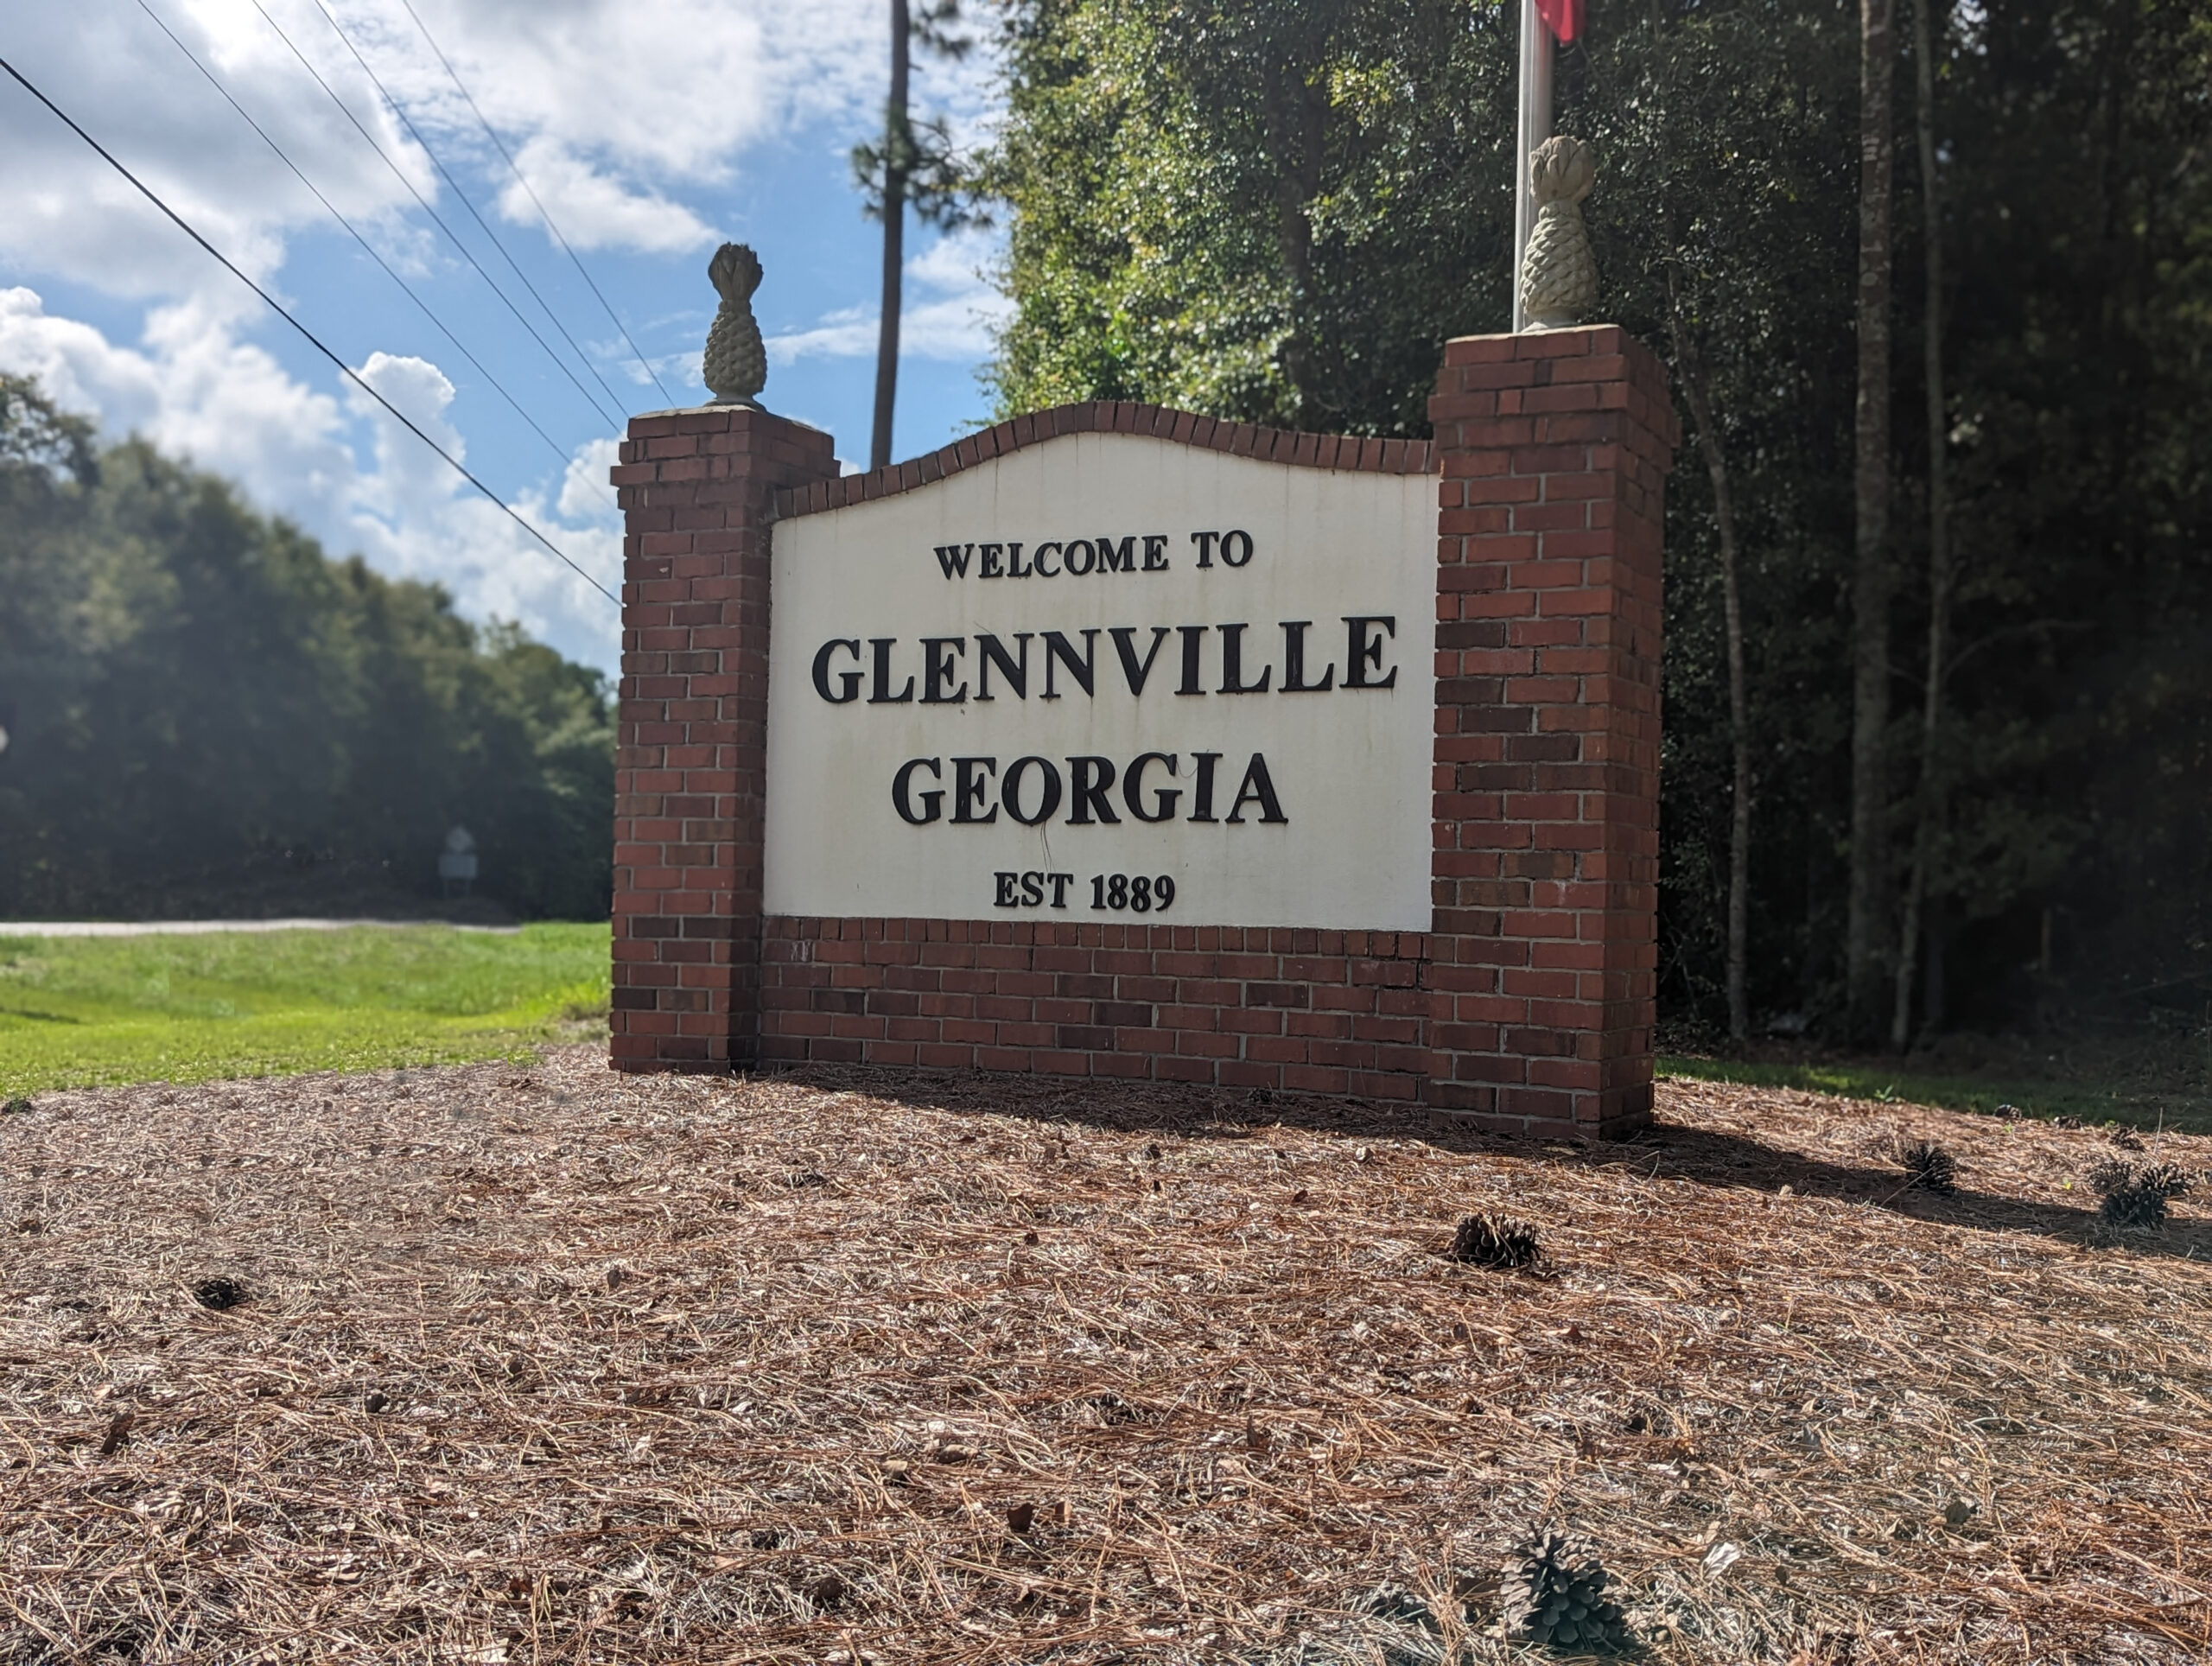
pixel 1117 742
pixel 1108 677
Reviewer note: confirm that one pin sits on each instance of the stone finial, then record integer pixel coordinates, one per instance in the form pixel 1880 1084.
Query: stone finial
pixel 737 366
pixel 1559 274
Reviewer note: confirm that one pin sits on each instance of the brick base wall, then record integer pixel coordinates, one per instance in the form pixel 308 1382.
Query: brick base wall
pixel 1302 1011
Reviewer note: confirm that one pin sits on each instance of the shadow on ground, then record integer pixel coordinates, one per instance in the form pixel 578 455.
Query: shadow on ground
pixel 1663 1151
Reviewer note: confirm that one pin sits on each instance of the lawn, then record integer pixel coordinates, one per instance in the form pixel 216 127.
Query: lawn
pixel 78 1012
pixel 2137 1084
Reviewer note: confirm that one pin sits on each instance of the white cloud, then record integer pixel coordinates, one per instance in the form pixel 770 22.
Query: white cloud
pixel 63 211
pixel 949 310
pixel 194 389
pixel 585 495
pixel 632 119
pixel 610 106
pixel 593 210
pixel 415 517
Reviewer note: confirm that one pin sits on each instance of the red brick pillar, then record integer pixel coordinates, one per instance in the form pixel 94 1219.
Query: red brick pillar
pixel 696 489
pixel 1553 449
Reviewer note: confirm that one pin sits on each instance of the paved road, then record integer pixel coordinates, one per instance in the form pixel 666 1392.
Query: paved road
pixel 90 928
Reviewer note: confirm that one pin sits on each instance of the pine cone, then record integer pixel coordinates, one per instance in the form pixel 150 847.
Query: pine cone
pixel 1550 1597
pixel 1932 1168
pixel 1495 1241
pixel 2135 1194
pixel 736 367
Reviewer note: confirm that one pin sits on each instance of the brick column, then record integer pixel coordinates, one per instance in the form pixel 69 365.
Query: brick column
pixel 696 489
pixel 1553 449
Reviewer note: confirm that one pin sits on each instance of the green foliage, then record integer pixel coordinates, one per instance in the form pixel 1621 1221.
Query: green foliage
pixel 1277 210
pixel 200 706
pixel 1255 209
pixel 83 1011
pixel 919 157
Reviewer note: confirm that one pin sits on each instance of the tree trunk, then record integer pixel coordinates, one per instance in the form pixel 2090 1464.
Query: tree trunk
pixel 1931 798
pixel 898 149
pixel 1695 393
pixel 1296 112
pixel 1870 715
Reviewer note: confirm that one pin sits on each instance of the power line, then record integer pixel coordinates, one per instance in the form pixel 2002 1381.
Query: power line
pixel 313 339
pixel 366 245
pixel 438 219
pixel 398 110
pixel 542 210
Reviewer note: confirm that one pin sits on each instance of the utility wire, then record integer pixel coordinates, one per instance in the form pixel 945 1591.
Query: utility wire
pixel 400 110
pixel 313 339
pixel 542 210
pixel 366 245
pixel 438 219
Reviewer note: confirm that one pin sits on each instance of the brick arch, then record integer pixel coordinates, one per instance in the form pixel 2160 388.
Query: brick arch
pixel 1274 445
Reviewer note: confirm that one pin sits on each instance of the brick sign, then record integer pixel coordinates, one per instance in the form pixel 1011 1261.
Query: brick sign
pixel 1117 742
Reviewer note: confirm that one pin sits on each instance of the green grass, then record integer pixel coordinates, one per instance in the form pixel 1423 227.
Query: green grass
pixel 78 1012
pixel 2093 1097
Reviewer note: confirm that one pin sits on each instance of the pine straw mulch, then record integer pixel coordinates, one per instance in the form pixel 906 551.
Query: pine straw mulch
pixel 559 1365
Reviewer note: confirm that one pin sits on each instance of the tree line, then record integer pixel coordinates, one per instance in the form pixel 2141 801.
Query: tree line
pixel 204 714
pixel 1935 286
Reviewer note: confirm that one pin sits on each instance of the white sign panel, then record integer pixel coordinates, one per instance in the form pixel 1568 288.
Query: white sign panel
pixel 1109 677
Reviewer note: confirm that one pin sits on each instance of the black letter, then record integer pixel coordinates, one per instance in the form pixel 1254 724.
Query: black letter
pixel 937 667
pixel 848 681
pixel 1125 645
pixel 1088 779
pixel 1014 567
pixel 1228 539
pixel 1038 558
pixel 1364 653
pixel 1155 552
pixel 1257 787
pixel 1060 883
pixel 953 559
pixel 989 652
pixel 1010 790
pixel 1193 635
pixel 931 802
pixel 1123 560
pixel 1205 541
pixel 1057 647
pixel 1033 888
pixel 1232 667
pixel 1294 661
pixel 1202 798
pixel 1068 554
pixel 882 696
pixel 1163 802
pixel 1002 896
pixel 969 789
pixel 990 567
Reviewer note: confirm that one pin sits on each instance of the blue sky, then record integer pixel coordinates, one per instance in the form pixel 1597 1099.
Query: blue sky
pixel 652 130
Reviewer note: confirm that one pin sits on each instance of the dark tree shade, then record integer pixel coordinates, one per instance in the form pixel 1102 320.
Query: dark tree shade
pixel 1278 212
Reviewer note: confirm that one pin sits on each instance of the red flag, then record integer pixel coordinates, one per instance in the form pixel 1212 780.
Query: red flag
pixel 1562 17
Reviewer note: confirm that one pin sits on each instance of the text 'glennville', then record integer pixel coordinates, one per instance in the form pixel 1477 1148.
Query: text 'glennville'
pixel 1350 654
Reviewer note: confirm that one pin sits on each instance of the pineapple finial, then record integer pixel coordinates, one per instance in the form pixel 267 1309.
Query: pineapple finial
pixel 736 367
pixel 1559 274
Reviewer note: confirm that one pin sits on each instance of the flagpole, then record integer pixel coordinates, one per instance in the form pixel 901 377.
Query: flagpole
pixel 1534 127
